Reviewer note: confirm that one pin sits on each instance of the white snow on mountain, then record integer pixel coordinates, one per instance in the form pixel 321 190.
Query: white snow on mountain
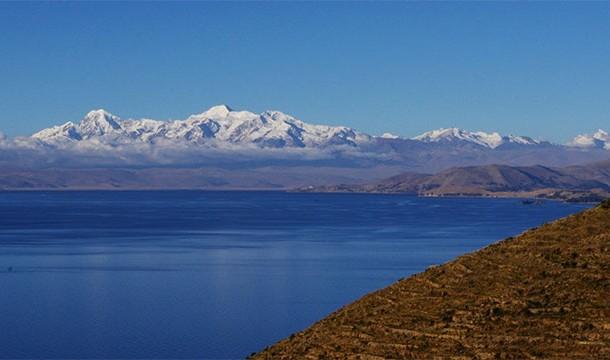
pixel 488 140
pixel 600 139
pixel 60 133
pixel 222 126
pixel 388 135
pixel 98 123
pixel 219 124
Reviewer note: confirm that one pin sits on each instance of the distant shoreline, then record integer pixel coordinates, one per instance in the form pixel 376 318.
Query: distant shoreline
pixel 296 191
pixel 472 196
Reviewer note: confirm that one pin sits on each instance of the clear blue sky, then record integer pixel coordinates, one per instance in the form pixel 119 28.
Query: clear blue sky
pixel 540 69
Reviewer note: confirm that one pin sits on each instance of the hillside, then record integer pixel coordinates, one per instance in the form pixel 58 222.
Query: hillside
pixel 588 181
pixel 543 294
pixel 168 178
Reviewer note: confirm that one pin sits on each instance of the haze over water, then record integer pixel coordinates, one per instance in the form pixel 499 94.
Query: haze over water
pixel 191 274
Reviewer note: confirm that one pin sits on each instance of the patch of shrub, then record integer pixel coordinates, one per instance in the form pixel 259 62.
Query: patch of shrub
pixel 447 315
pixel 605 204
pixel 496 311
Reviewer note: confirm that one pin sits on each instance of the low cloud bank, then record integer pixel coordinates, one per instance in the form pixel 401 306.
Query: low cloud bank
pixel 24 152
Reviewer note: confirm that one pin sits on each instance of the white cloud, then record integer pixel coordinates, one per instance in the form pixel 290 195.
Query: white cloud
pixel 26 151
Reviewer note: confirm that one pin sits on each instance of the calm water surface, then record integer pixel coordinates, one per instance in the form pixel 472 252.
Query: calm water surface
pixel 184 274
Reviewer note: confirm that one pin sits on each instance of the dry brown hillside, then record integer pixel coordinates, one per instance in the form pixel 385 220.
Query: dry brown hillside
pixel 544 294
pixel 589 183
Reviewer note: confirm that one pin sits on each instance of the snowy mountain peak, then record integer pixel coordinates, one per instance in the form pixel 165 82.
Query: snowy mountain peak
pixel 99 113
pixel 58 134
pixel 601 135
pixel 444 134
pixel 448 135
pixel 489 140
pixel 221 126
pixel 99 123
pixel 600 139
pixel 218 111
pixel 217 126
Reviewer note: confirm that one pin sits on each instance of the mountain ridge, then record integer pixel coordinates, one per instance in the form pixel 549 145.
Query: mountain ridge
pixel 587 182
pixel 490 140
pixel 222 137
pixel 219 123
pixel 270 128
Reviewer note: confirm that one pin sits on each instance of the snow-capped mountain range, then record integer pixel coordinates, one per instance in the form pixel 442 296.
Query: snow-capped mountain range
pixel 489 140
pixel 221 125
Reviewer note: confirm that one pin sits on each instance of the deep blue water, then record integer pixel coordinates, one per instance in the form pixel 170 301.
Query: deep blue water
pixel 185 274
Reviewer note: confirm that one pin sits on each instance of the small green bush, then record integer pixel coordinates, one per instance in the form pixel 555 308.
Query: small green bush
pixel 605 204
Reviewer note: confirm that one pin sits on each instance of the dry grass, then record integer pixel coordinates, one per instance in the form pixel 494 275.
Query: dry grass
pixel 543 294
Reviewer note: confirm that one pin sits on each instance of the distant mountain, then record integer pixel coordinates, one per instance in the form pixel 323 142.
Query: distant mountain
pixel 494 180
pixel 488 140
pixel 274 129
pixel 599 139
pixel 230 147
pixel 220 124
pixel 214 176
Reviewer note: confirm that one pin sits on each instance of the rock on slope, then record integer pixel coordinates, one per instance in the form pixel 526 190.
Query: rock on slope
pixel 543 294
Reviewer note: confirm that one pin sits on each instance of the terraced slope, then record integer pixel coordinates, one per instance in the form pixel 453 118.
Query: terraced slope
pixel 543 294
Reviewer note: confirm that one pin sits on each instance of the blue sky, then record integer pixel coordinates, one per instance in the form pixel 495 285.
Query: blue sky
pixel 540 69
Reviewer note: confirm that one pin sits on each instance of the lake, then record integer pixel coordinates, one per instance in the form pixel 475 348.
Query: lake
pixel 194 274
